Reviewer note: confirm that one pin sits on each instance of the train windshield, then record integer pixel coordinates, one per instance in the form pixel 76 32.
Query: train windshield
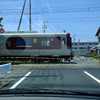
pixel 50 44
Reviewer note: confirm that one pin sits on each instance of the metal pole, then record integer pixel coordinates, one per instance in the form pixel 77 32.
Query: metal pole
pixel 79 47
pixel 30 15
pixel 74 45
pixel 21 15
pixel 44 26
pixel 5 76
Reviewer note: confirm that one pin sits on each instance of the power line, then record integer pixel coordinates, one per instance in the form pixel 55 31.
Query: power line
pixel 55 21
pixel 16 13
pixel 10 0
pixel 72 7
pixel 86 9
pixel 68 7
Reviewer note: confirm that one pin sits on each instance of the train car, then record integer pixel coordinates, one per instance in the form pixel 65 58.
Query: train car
pixel 35 45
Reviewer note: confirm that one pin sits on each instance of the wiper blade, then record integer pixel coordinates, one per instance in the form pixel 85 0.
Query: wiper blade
pixel 48 91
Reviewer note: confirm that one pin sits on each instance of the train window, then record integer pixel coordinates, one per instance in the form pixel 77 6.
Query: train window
pixel 63 41
pixel 34 40
pixel 28 42
pixel 20 42
pixel 24 42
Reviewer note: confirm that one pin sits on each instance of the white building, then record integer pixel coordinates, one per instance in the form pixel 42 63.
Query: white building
pixel 98 36
pixel 82 48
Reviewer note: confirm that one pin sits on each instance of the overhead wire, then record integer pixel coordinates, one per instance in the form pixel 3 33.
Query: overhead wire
pixel 64 10
pixel 10 0
pixel 78 19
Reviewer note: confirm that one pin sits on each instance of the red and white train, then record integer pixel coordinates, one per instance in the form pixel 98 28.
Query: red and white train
pixel 28 44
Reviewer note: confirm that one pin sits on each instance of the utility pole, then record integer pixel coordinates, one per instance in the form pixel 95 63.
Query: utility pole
pixel 21 15
pixel 74 44
pixel 79 47
pixel 74 39
pixel 44 26
pixel 30 15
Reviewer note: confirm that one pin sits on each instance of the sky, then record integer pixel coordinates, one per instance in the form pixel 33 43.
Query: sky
pixel 80 18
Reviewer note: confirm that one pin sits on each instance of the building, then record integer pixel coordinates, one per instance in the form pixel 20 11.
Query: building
pixel 82 48
pixel 96 49
pixel 98 46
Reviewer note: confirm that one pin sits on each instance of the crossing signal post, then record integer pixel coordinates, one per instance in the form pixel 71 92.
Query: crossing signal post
pixel 1 26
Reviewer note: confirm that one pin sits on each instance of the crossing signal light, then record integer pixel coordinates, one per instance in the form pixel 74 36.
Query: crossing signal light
pixel 1 25
pixel 1 18
pixel 1 30
pixel 0 22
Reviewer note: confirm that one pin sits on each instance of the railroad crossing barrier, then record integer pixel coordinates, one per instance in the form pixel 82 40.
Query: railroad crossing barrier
pixel 4 68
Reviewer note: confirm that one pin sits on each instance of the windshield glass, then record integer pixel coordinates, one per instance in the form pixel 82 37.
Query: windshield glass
pixel 50 44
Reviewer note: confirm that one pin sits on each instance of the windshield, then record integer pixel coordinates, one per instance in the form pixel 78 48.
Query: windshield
pixel 50 44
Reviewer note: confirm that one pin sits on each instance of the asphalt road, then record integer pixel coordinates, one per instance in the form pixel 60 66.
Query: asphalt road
pixel 77 75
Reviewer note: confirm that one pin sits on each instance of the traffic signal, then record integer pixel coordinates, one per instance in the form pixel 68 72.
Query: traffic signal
pixel 1 18
pixel 1 25
pixel 1 30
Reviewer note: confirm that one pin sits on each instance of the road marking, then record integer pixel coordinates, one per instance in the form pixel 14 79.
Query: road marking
pixel 92 76
pixel 16 84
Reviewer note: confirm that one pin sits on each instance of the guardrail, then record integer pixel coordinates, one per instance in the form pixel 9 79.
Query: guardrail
pixel 4 68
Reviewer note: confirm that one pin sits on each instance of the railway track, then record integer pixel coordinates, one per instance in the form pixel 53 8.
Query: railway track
pixel 32 60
